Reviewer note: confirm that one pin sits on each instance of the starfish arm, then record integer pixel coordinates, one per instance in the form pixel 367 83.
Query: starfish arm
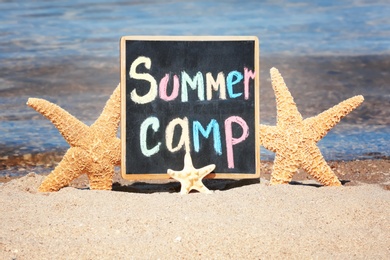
pixel 71 166
pixel 269 137
pixel 108 121
pixel 100 176
pixel 185 186
pixel 114 152
pixel 287 111
pixel 315 165
pixel 204 171
pixel 188 161
pixel 321 124
pixel 199 186
pixel 69 126
pixel 182 177
pixel 283 170
pixel 177 175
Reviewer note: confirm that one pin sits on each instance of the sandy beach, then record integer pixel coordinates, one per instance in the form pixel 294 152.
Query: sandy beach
pixel 245 219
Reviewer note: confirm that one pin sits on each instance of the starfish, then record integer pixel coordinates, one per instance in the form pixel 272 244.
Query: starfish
pixel 191 178
pixel 294 140
pixel 94 150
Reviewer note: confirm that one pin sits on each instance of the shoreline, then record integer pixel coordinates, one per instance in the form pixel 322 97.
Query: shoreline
pixel 82 86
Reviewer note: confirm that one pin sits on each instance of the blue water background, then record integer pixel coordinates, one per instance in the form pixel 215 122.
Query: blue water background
pixel 54 33
pixel 47 29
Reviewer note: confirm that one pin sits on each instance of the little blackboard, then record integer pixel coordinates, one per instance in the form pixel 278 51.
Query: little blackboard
pixel 195 94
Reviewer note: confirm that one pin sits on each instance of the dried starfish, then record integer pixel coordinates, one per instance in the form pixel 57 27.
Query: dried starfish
pixel 294 139
pixel 95 150
pixel 191 178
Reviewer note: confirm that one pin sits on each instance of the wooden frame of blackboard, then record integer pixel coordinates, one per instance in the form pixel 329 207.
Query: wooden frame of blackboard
pixel 256 110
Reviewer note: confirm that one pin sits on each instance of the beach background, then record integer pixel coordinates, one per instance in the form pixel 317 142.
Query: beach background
pixel 68 53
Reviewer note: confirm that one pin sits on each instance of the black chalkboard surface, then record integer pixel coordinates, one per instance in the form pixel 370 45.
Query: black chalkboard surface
pixel 189 94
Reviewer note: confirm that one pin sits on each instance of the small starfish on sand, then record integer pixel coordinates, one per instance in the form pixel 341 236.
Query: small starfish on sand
pixel 191 178
pixel 95 149
pixel 294 139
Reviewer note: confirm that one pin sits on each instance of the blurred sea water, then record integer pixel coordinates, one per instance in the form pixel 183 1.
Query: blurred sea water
pixel 68 52
pixel 49 29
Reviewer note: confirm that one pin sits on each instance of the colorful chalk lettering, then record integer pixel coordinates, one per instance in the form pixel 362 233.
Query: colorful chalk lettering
pixel 192 95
